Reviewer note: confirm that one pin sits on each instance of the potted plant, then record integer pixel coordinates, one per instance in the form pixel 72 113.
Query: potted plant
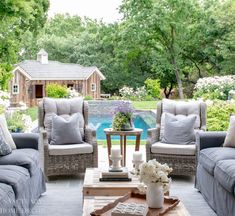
pixel 122 120
pixel 15 123
pixel 154 177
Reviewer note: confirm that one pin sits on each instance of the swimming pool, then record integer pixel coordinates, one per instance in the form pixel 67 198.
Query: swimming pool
pixel 143 120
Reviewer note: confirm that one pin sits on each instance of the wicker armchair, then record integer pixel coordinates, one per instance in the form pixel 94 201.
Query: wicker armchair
pixel 182 158
pixel 66 159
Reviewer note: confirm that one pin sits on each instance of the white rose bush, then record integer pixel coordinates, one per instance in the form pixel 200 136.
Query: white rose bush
pixel 154 172
pixel 217 87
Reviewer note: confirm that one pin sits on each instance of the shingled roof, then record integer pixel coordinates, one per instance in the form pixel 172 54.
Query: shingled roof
pixel 55 70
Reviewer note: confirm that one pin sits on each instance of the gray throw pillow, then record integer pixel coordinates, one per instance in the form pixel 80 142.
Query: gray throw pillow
pixel 230 137
pixel 65 131
pixel 179 130
pixel 5 149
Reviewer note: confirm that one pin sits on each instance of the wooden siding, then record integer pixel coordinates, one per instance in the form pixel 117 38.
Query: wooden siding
pixel 27 88
pixel 94 78
pixel 23 84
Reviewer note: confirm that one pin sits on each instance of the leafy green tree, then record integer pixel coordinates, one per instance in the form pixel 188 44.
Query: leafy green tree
pixel 17 17
pixel 182 33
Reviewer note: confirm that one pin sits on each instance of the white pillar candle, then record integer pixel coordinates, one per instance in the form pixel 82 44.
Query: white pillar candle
pixel 115 152
pixel 137 156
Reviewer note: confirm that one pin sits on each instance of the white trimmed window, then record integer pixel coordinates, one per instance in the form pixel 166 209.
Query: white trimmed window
pixel 15 89
pixel 93 87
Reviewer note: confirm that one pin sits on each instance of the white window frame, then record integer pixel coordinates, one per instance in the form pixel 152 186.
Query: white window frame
pixel 15 86
pixel 93 87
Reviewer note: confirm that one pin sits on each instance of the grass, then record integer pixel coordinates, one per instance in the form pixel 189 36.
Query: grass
pixel 145 105
pixel 32 112
pixel 117 142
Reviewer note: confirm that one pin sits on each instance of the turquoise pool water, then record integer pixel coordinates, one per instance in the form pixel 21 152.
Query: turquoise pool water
pixel 144 120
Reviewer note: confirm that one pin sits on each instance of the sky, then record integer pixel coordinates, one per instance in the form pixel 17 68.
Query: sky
pixel 95 9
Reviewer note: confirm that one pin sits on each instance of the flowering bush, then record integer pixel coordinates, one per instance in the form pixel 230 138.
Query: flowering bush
pixel 129 93
pixel 154 172
pixel 122 119
pixel 72 93
pixel 217 87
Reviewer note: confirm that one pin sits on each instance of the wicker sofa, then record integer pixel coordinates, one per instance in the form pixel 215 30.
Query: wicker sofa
pixel 182 158
pixel 66 159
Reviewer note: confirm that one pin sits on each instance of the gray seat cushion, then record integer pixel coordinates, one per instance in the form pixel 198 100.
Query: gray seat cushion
pixel 28 158
pixel 225 174
pixel 84 148
pixel 210 156
pixel 7 200
pixel 173 149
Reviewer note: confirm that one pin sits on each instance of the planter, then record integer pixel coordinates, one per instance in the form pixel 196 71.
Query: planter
pixel 127 126
pixel 154 196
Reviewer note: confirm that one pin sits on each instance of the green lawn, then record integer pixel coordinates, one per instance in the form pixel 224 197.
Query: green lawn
pixel 117 142
pixel 32 112
pixel 145 105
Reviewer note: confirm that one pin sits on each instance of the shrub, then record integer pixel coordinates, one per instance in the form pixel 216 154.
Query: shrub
pixel 56 91
pixel 218 115
pixel 128 93
pixel 153 88
pixel 217 87
pixel 88 97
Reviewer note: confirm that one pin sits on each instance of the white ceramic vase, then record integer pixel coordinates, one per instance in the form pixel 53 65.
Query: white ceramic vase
pixel 154 196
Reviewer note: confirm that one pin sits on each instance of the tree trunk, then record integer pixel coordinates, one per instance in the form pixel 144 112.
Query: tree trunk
pixel 178 79
pixel 173 62
pixel 179 82
pixel 168 93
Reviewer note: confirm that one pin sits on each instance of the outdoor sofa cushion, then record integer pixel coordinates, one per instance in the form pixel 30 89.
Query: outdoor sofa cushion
pixel 27 158
pixel 64 108
pixel 84 148
pixel 180 108
pixel 7 200
pixel 163 148
pixel 230 137
pixel 66 131
pixel 6 133
pixel 179 130
pixel 5 149
pixel 19 179
pixel 210 156
pixel 225 174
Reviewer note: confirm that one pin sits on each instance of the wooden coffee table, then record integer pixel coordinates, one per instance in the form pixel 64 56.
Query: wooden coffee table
pixel 96 202
pixel 93 187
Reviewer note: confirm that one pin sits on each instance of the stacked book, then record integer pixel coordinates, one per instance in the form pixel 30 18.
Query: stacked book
pixel 115 176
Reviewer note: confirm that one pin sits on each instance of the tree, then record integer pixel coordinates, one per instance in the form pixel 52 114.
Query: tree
pixel 17 17
pixel 182 33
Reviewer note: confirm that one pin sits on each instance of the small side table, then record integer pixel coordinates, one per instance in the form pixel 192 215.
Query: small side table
pixel 123 134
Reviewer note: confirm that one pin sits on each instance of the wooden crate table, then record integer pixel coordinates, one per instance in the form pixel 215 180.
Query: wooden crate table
pixel 93 187
pixel 96 202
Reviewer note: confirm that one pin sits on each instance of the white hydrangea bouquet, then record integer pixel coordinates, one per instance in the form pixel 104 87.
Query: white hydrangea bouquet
pixel 154 172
